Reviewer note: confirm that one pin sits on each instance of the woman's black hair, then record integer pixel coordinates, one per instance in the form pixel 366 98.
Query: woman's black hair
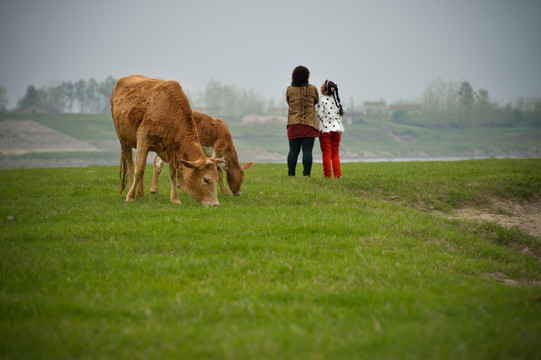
pixel 300 76
pixel 332 88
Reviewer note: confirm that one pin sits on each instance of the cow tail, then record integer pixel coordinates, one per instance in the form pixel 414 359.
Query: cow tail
pixel 122 173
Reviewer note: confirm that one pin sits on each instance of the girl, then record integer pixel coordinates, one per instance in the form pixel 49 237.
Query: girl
pixel 329 113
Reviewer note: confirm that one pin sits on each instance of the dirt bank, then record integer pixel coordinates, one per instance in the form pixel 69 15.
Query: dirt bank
pixel 27 136
pixel 525 216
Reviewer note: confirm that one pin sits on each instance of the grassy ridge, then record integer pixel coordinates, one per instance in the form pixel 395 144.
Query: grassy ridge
pixel 293 268
pixel 377 138
pixel 388 139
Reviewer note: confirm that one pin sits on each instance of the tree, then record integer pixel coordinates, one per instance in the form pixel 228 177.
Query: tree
pixel 250 103
pixel 54 95
pixel 212 96
pixel 431 104
pixel 80 94
pixel 440 104
pixel 92 99
pixel 68 90
pixel 228 100
pixel 105 88
pixel 536 112
pixel 483 108
pixel 3 99
pixel 467 100
pixel 401 116
pixel 30 98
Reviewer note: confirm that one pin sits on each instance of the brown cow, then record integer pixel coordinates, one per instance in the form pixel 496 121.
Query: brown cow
pixel 216 141
pixel 155 115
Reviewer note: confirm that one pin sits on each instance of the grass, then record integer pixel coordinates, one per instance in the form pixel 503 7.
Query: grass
pixel 294 268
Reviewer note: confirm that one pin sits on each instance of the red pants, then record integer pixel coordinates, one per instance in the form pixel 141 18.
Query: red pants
pixel 330 150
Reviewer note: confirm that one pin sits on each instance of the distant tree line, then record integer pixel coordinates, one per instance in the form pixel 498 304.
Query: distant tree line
pixel 452 104
pixel 93 97
pixel 444 104
pixel 80 97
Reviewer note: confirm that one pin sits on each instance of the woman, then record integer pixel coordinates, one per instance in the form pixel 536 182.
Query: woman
pixel 302 121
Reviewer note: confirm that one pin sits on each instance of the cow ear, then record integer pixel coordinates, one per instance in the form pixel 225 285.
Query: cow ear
pixel 247 165
pixel 188 164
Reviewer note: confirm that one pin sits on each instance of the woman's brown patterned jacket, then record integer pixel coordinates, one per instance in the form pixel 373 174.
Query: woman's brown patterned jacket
pixel 302 101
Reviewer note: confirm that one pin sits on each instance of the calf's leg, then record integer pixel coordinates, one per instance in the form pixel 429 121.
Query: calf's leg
pixel 223 189
pixel 158 167
pixel 181 181
pixel 173 197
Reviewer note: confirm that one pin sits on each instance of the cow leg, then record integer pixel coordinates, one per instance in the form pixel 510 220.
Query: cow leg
pixel 173 197
pixel 141 188
pixel 141 183
pixel 127 157
pixel 158 167
pixel 140 163
pixel 223 189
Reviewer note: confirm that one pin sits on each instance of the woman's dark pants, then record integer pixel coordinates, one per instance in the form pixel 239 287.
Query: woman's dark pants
pixel 295 146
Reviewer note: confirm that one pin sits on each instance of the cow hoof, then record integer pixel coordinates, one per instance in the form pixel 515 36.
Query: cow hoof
pixel 130 199
pixel 176 202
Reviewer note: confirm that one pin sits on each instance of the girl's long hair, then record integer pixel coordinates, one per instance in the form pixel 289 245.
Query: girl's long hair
pixel 332 88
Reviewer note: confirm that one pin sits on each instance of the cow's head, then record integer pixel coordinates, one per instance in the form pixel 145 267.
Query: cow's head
pixel 235 176
pixel 200 177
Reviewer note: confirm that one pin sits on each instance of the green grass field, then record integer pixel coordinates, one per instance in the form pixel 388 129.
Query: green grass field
pixel 294 268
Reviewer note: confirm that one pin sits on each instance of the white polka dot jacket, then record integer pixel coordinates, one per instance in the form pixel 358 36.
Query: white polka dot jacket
pixel 328 115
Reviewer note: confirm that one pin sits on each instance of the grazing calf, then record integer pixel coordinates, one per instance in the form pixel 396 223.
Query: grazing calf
pixel 216 141
pixel 155 115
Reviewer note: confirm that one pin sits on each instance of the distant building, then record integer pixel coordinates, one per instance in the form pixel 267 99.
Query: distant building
pixel 375 108
pixel 40 109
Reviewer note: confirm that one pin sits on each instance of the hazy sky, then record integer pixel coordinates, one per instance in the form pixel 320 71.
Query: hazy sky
pixel 390 49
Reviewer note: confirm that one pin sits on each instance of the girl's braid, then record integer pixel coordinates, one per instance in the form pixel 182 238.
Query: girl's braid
pixel 332 88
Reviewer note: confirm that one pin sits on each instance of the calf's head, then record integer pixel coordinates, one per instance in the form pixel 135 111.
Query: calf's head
pixel 235 176
pixel 200 177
